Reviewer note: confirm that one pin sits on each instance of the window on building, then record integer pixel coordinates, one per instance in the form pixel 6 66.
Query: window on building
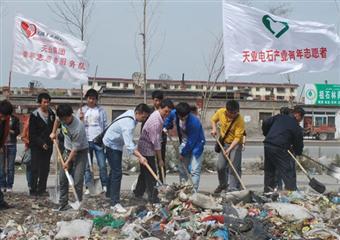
pixel 199 86
pixel 218 88
pixel 176 86
pixel 257 89
pixel 102 84
pixel 268 97
pixel 331 121
pixel 292 90
pixel 115 84
pixel 116 113
pixel 258 96
pixel 90 83
pixel 280 90
pixel 264 115
pixel 280 98
pixel 268 89
pixel 157 85
pixel 126 85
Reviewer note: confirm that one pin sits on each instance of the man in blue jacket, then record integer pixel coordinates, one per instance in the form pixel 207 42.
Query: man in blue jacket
pixel 191 137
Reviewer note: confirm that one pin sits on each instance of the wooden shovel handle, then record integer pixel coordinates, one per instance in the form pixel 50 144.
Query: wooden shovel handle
pixel 298 163
pixel 153 173
pixel 231 164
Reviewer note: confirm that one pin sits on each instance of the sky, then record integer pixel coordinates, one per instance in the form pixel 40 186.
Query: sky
pixel 185 33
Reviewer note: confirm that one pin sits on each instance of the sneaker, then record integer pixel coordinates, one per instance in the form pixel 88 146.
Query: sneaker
pixel 87 191
pixel 64 207
pixel 4 205
pixel 220 188
pixel 118 208
pixel 9 190
pixel 104 189
pixel 3 189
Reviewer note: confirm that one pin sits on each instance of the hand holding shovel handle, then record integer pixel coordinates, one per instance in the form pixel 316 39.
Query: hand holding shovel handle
pixel 231 164
pixel 153 173
pixel 68 175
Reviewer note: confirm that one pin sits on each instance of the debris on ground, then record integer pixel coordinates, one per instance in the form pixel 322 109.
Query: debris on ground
pixel 182 214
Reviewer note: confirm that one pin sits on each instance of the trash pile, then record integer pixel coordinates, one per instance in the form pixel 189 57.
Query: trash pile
pixel 181 215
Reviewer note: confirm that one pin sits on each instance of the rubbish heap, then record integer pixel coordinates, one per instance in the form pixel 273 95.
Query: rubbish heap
pixel 181 215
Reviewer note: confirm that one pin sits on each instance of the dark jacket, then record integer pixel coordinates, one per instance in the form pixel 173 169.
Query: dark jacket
pixel 14 124
pixel 283 131
pixel 194 131
pixel 39 131
pixel 4 131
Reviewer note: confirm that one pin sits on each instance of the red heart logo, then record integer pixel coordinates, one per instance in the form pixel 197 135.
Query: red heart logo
pixel 28 29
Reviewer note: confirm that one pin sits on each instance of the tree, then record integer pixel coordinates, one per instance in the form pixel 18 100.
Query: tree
pixel 215 68
pixel 147 30
pixel 75 15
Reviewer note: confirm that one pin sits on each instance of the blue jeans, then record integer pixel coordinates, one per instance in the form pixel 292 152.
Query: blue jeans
pixel 101 161
pixel 193 166
pixel 7 179
pixel 114 158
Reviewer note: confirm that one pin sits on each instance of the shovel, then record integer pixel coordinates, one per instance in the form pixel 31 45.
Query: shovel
pixel 332 170
pixel 313 183
pixel 94 185
pixel 188 175
pixel 76 204
pixel 231 164
pixel 162 187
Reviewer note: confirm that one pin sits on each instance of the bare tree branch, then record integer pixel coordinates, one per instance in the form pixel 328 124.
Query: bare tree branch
pixel 75 15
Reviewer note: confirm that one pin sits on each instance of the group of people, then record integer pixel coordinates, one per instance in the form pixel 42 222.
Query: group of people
pixel 81 130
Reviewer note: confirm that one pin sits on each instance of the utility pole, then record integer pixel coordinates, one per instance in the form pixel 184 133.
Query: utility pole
pixel 144 49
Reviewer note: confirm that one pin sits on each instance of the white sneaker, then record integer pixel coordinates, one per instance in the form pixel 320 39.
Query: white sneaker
pixel 87 192
pixel 9 190
pixel 118 208
pixel 104 189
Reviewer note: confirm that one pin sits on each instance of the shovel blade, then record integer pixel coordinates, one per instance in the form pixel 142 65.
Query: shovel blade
pixel 95 187
pixel 317 186
pixel 75 205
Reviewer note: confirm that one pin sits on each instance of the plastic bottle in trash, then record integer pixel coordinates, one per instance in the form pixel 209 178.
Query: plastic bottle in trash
pixel 336 200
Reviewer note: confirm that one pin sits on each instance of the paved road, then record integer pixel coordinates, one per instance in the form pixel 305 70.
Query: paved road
pixel 208 182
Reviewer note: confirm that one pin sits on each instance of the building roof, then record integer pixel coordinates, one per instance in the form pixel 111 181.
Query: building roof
pixel 246 84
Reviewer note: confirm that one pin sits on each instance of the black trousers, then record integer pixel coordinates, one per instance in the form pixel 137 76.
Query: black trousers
pixel 40 169
pixel 146 181
pixel 277 160
pixel 163 151
pixel 1 197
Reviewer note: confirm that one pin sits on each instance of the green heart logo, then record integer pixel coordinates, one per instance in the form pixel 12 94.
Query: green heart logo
pixel 268 22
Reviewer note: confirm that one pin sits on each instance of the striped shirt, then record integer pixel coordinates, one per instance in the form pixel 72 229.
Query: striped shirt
pixel 150 138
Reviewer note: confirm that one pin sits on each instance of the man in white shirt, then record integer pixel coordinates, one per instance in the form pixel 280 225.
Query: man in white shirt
pixel 95 120
pixel 118 135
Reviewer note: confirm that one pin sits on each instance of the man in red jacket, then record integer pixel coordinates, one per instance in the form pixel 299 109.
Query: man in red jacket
pixel 6 110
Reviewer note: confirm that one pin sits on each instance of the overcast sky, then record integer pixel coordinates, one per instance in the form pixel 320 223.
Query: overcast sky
pixel 185 35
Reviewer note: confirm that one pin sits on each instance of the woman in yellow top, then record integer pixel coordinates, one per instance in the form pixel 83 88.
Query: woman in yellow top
pixel 229 120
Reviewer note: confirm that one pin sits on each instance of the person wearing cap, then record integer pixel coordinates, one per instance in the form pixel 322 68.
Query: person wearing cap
pixel 95 120
pixel 282 133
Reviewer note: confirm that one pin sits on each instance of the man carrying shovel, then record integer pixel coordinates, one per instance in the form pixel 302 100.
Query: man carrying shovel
pixel 231 136
pixel 118 135
pixel 150 147
pixel 282 133
pixel 76 150
pixel 191 138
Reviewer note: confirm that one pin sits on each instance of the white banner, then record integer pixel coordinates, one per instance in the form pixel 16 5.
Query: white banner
pixel 257 42
pixel 42 52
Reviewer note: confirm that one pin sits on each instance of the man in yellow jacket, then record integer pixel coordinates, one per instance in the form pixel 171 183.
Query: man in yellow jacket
pixel 232 130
